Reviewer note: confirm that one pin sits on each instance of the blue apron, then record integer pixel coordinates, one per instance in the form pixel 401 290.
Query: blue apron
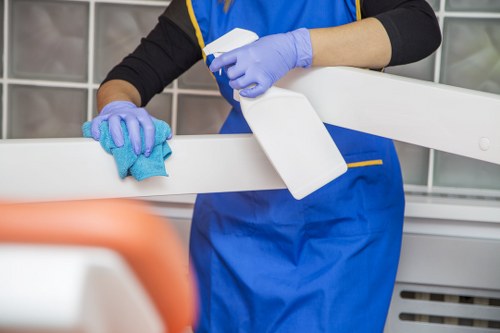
pixel 269 263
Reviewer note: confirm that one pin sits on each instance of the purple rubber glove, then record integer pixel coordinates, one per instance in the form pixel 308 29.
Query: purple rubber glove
pixel 134 117
pixel 255 67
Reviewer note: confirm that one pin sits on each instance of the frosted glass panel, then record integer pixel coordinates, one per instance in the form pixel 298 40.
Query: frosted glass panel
pixel 160 107
pixel 119 29
pixel 94 103
pixel 199 77
pixel 414 163
pixel 434 4
pixel 471 54
pixel 1 36
pixel 474 5
pixel 456 171
pixel 38 112
pixel 49 40
pixel 422 70
pixel 201 114
pixel 1 112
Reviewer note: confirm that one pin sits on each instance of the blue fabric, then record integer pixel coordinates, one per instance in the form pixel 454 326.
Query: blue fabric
pixel 266 262
pixel 128 163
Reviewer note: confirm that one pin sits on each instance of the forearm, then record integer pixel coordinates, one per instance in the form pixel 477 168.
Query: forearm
pixel 394 32
pixel 362 44
pixel 117 90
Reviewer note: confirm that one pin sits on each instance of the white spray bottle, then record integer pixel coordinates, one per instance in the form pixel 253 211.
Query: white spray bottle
pixel 288 129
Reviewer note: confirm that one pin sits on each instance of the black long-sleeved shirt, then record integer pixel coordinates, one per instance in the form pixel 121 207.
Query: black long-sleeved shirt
pixel 171 47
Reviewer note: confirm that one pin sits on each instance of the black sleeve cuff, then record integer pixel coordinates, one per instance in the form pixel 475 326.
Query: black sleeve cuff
pixel 411 25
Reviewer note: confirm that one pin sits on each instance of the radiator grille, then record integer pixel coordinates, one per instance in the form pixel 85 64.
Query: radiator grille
pixel 433 309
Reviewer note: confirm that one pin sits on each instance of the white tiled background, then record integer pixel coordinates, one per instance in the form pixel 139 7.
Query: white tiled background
pixel 55 53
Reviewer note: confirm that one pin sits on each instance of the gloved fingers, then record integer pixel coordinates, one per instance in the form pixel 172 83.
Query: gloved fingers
pixel 146 122
pixel 253 83
pixel 256 90
pixel 235 71
pixel 226 59
pixel 242 82
pixel 115 128
pixel 134 133
pixel 95 127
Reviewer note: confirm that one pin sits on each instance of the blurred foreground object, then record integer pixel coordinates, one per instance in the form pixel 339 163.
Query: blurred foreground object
pixel 92 266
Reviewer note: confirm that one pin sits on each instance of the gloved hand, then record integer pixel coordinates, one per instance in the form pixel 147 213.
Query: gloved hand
pixel 255 67
pixel 134 117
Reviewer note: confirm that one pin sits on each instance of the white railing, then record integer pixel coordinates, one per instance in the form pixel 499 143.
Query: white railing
pixel 403 109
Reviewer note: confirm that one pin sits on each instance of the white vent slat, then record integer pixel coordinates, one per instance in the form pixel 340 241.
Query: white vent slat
pixel 459 310
pixel 445 290
pixel 417 302
pixel 417 327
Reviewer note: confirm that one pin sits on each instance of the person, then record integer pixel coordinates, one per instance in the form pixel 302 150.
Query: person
pixel 267 262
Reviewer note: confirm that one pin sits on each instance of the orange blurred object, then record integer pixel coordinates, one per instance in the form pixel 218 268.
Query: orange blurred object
pixel 146 242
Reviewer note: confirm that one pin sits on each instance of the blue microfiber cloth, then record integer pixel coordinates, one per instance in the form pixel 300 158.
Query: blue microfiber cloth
pixel 128 163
